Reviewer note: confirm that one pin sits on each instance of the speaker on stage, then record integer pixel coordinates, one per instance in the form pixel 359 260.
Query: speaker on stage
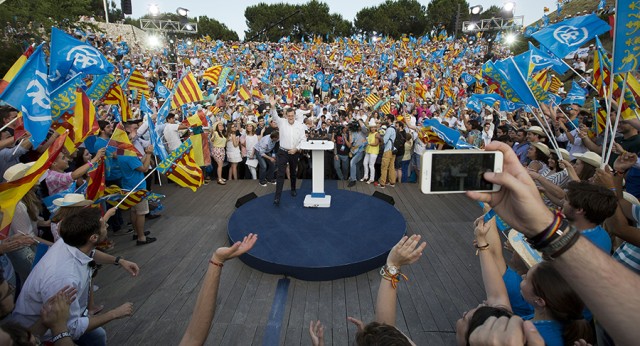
pixel 384 197
pixel 244 199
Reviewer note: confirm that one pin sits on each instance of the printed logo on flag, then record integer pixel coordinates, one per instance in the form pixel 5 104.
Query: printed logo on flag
pixel 85 56
pixel 37 91
pixel 162 90
pixel 570 35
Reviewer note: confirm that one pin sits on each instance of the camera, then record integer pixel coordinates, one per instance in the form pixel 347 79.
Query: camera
pixel 354 126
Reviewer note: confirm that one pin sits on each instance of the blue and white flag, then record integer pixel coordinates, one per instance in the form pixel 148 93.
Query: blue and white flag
pixel 488 99
pixel 467 78
pixel 163 112
pixel 117 117
pixel 577 95
pixel 516 80
pixel 474 105
pixel 567 36
pixel 545 20
pixel 542 60
pixel 601 5
pixel 69 54
pixel 144 106
pixel 29 93
pixel 627 37
pixel 158 147
pixel 162 91
pixel 450 136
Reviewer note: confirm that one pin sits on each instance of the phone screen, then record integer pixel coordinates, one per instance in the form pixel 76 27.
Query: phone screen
pixel 461 172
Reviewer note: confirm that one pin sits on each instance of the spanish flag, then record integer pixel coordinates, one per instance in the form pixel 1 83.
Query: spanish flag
pixel 120 141
pixel 187 91
pixel 96 184
pixel 12 192
pixel 8 77
pixel 244 93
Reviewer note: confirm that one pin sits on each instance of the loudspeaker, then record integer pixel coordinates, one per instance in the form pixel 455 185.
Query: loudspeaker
pixel 244 199
pixel 126 6
pixel 384 197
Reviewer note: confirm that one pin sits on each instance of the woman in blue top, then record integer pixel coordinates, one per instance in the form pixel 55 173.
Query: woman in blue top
pixel 557 308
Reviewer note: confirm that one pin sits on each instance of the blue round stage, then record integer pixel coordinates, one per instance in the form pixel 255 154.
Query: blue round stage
pixel 351 237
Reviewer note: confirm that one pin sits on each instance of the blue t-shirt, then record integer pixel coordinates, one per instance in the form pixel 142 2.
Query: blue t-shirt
pixel 520 306
pixel 551 332
pixel 130 176
pixel 599 237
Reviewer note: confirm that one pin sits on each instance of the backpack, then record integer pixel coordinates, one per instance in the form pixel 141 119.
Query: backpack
pixel 398 143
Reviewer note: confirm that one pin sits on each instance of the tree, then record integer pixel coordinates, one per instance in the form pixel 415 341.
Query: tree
pixel 216 30
pixel 443 13
pixel 492 12
pixel 393 18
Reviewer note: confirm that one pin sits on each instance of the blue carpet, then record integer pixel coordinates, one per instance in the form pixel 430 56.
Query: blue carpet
pixel 351 237
pixel 274 325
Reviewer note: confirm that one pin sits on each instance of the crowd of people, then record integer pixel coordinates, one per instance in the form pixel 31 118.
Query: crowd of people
pixel 370 97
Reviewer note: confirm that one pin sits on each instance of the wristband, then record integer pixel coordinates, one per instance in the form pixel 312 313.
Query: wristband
pixel 549 234
pixel 117 261
pixel 90 164
pixel 60 336
pixel 565 241
pixel 216 263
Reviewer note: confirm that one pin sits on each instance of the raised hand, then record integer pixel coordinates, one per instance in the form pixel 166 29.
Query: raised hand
pixel 226 253
pixel 625 161
pixel 316 331
pixel 407 251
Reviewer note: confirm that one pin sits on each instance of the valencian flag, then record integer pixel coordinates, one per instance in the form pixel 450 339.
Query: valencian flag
pixel 187 91
pixel 81 124
pixel 101 84
pixel 29 93
pixel 116 96
pixel 213 74
pixel 182 168
pixel 137 81
pixel 625 57
pixel 200 144
pixel 567 36
pixel 96 184
pixel 120 141
pixel 244 93
pixel 63 99
pixel 12 192
pixel 8 77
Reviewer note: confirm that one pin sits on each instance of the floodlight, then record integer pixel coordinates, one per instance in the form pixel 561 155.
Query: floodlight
pixel 510 38
pixel 154 10
pixel 189 43
pixel 509 6
pixel 188 27
pixel 154 41
pixel 476 9
pixel 471 26
pixel 181 11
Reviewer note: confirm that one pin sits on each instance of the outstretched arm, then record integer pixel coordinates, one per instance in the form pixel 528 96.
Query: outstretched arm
pixel 202 317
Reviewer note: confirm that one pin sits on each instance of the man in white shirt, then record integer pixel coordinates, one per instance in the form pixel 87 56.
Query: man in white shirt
pixel 292 133
pixel 70 262
pixel 171 132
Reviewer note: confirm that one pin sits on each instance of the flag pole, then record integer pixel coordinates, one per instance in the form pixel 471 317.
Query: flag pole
pixel 159 175
pixel 17 146
pixel 135 187
pixel 615 126
pixel 9 123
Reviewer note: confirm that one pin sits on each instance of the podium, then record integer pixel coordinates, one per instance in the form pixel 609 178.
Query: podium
pixel 317 198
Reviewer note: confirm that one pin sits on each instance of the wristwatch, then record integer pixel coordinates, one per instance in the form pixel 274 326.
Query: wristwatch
pixel 117 261
pixel 392 270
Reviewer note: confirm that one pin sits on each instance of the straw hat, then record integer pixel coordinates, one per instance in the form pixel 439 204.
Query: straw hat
pixel 590 158
pixel 536 129
pixel 17 171
pixel 519 244
pixel 72 200
pixel 565 154
pixel 542 147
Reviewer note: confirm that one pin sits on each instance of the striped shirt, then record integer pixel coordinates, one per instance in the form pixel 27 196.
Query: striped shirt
pixel 629 254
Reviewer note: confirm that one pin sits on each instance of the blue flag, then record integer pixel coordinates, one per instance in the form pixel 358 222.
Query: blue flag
pixel 474 105
pixel 69 54
pixel 577 95
pixel 488 99
pixel 63 99
pixel 117 117
pixel 542 60
pixel 515 79
pixel 545 20
pixel 163 112
pixel 567 36
pixel 467 78
pixel 144 106
pixel 158 147
pixel 450 136
pixel 101 84
pixel 627 38
pixel 29 93
pixel 162 91
pixel 602 3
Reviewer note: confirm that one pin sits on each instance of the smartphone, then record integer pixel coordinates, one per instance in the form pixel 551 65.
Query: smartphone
pixel 457 171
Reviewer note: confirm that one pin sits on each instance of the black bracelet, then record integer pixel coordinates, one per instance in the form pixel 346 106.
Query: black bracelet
pixel 65 334
pixel 117 261
pixel 567 238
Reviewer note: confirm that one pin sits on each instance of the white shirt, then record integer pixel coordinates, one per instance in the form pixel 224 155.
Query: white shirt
pixel 62 265
pixel 291 136
pixel 171 136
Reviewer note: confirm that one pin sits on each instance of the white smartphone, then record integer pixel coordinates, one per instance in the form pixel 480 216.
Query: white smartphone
pixel 456 171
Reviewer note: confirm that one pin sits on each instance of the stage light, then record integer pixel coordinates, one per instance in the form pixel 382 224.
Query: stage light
pixel 510 38
pixel 153 41
pixel 189 43
pixel 188 27
pixel 181 11
pixel 154 10
pixel 471 26
pixel 476 9
pixel 509 6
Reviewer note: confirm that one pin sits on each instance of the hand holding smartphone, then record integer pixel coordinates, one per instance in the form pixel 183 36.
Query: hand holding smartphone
pixel 457 171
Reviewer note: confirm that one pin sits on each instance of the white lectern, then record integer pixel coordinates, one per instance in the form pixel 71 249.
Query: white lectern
pixel 317 198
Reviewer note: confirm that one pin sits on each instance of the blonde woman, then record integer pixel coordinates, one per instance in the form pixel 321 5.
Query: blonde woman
pixel 234 156
pixel 219 141
pixel 251 139
pixel 371 153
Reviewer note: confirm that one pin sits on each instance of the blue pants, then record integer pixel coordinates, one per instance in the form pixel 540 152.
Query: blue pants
pixel 267 168
pixel 96 337
pixel 355 160
pixel 341 164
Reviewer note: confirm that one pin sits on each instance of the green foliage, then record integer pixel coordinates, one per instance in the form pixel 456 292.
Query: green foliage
pixel 491 12
pixel 393 18
pixel 442 13
pixel 312 18
pixel 215 29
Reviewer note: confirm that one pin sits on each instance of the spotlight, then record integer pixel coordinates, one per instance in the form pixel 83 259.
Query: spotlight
pixel 154 10
pixel 476 9
pixel 154 41
pixel 510 38
pixel 509 6
pixel 471 26
pixel 181 11
pixel 189 43
pixel 188 27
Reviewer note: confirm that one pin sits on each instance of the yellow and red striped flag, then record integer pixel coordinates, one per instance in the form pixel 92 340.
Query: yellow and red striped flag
pixel 244 93
pixel 96 184
pixel 169 84
pixel 555 84
pixel 386 108
pixel 213 74
pixel 116 96
pixel 81 124
pixel 117 194
pixel 137 81
pixel 372 99
pixel 542 78
pixel 187 91
pixel 8 77
pixel 257 94
pixel 12 192
pixel 181 167
pixel 120 141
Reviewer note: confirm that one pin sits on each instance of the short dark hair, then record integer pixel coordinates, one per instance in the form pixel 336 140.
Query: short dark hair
pixel 378 334
pixel 274 135
pixel 77 228
pixel 598 202
pixel 482 314
pixel 171 115
pixel 103 124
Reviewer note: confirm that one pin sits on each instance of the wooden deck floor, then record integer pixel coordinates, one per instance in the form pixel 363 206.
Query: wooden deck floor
pixel 443 284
